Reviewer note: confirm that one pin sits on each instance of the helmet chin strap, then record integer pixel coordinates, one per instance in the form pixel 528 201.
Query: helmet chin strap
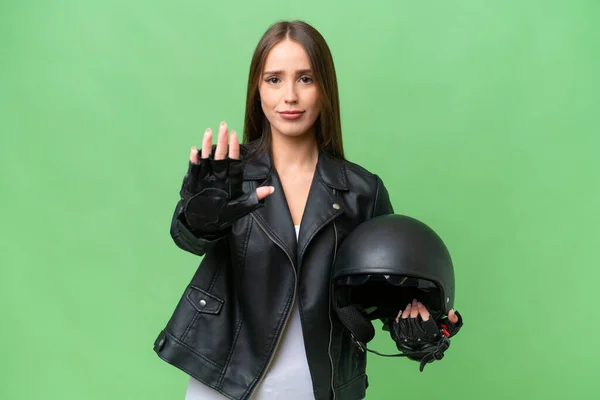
pixel 430 352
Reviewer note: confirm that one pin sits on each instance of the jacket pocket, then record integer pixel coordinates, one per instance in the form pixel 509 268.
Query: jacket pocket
pixel 202 323
pixel 202 301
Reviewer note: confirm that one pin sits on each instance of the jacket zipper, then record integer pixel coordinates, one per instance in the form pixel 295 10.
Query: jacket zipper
pixel 287 317
pixel 330 320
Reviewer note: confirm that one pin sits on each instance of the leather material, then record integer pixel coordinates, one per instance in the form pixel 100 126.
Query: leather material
pixel 430 338
pixel 212 195
pixel 226 326
pixel 412 333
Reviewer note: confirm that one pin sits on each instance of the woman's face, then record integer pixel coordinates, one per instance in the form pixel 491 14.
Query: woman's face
pixel 289 96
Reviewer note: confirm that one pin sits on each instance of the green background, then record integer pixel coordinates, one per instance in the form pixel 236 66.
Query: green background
pixel 480 116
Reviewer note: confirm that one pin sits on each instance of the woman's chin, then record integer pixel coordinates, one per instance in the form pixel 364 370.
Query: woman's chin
pixel 292 131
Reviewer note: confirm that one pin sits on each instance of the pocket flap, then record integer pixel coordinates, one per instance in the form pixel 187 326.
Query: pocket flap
pixel 204 302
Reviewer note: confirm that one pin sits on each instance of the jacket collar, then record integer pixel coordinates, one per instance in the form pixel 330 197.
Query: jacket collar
pixel 331 170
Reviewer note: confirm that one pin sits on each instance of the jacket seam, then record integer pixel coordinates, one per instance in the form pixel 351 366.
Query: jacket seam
pixel 193 351
pixel 239 327
pixel 194 319
pixel 267 227
pixel 303 250
pixel 351 381
pixel 214 279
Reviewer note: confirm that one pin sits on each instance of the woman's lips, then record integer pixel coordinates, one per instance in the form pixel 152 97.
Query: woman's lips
pixel 291 114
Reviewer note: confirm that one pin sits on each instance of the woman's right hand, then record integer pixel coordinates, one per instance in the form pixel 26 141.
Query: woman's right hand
pixel 212 193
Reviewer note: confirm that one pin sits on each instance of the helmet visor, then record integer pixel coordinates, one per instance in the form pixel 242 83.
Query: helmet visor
pixel 394 280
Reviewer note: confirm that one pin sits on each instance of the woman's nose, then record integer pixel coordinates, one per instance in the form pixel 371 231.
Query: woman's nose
pixel 291 97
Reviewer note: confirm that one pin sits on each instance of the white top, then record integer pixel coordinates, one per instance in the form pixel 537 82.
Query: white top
pixel 288 376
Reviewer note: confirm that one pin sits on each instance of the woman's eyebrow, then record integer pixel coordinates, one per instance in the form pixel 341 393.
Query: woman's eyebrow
pixel 298 72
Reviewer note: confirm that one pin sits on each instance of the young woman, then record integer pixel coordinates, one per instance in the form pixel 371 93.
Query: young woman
pixel 268 216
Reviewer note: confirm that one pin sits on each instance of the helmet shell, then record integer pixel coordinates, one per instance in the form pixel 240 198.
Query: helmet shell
pixel 401 246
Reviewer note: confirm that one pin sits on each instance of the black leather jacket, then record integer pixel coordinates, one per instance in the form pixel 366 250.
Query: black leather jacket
pixel 227 325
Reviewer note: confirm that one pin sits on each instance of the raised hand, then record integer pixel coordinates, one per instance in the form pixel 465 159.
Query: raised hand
pixel 212 193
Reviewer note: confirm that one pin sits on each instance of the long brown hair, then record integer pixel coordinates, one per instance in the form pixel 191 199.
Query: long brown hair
pixel 328 127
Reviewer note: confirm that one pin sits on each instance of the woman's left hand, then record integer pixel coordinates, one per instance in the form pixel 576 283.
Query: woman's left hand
pixel 415 331
pixel 449 326
pixel 417 308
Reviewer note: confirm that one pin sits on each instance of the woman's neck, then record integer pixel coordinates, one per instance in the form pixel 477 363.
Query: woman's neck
pixel 294 154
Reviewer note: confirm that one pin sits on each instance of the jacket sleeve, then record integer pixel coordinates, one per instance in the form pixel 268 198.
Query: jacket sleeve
pixel 382 204
pixel 187 240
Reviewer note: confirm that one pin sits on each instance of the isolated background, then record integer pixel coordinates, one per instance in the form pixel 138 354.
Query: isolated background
pixel 480 116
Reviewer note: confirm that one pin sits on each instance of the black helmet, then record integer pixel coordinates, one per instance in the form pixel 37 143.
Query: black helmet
pixel 382 265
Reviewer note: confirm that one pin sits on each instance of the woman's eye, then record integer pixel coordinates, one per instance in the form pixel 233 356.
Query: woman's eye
pixel 273 79
pixel 306 79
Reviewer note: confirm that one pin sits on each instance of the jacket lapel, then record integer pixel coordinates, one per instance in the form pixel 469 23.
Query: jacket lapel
pixel 322 205
pixel 274 216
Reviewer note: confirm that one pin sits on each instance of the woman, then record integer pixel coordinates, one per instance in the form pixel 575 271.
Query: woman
pixel 268 216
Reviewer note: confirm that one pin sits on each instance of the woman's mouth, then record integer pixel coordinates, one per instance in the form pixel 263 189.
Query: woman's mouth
pixel 291 114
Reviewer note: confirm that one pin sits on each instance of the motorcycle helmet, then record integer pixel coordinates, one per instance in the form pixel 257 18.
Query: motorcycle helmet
pixel 382 265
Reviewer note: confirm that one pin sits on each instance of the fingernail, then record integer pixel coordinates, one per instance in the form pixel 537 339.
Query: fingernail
pixel 419 304
pixel 222 123
pixel 272 189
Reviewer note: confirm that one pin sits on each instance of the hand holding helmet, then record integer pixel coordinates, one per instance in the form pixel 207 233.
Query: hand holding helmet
pixel 425 328
pixel 420 336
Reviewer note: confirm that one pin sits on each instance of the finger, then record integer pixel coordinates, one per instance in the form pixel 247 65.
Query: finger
pixel 406 312
pixel 423 311
pixel 234 146
pixel 452 316
pixel 221 151
pixel 399 315
pixel 194 155
pixel 414 309
pixel 207 143
pixel 264 191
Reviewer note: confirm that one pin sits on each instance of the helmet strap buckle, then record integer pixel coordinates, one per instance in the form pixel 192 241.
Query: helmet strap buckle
pixel 361 346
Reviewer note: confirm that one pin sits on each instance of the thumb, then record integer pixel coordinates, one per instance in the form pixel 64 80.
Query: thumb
pixel 264 191
pixel 452 316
